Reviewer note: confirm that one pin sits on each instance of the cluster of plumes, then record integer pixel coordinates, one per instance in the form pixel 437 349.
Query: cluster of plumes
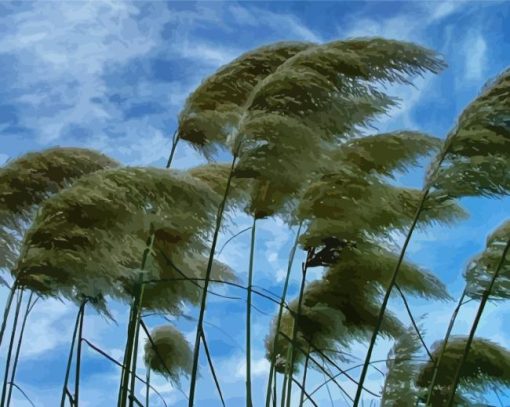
pixel 473 162
pixel 84 222
pixel 486 366
pixel 28 181
pixel 168 353
pixel 291 114
pixel 481 269
pixel 350 214
pixel 402 369
pixel 88 240
pixel 280 108
pixel 476 153
pixel 409 377
pixel 355 204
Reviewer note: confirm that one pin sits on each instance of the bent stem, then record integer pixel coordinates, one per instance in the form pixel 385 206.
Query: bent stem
pixel 479 313
pixel 78 360
pixel 437 361
pixel 11 345
pixel 7 309
pixel 426 190
pixel 272 369
pixel 175 141
pixel 386 299
pixel 70 357
pixel 138 313
pixel 275 385
pixel 132 338
pixel 295 327
pixel 284 387
pixel 305 371
pixel 148 387
pixel 28 309
pixel 248 317
pixel 196 350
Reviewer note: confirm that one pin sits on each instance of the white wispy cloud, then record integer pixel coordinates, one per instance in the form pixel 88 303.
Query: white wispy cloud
pixel 65 50
pixel 475 57
pixel 286 24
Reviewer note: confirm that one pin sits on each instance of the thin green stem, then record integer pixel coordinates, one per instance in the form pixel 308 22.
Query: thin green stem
pixel 131 350
pixel 437 361
pixel 203 302
pixel 275 385
pixel 478 316
pixel 125 367
pixel 232 238
pixel 332 378
pixel 428 185
pixel 315 361
pixel 328 391
pixel 18 347
pixel 148 387
pixel 304 392
pixel 7 309
pixel 284 388
pixel 248 316
pixel 70 357
pixel 213 371
pixel 280 314
pixel 11 345
pixel 78 360
pixel 295 326
pixel 23 394
pixel 131 332
pixel 413 322
pixel 386 298
pixel 103 353
pixel 135 346
pixel 303 383
pixel 175 141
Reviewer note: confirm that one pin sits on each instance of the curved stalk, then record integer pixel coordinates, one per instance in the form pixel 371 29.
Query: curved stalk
pixel 148 388
pixel 175 141
pixel 28 309
pixel 70 357
pixel 248 317
pixel 78 360
pixel 304 391
pixel 332 378
pixel 386 299
pixel 295 326
pixel 135 347
pixel 135 313
pixel 132 331
pixel 303 383
pixel 196 351
pixel 443 348
pixel 478 316
pixel 280 314
pixel 213 371
pixel 328 391
pixel 103 353
pixel 393 280
pixel 23 393
pixel 7 309
pixel 413 322
pixel 284 387
pixel 275 385
pixel 11 344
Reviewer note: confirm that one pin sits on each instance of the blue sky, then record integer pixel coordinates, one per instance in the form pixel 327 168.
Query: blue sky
pixel 114 75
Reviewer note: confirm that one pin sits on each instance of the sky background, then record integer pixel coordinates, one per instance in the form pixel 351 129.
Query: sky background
pixel 113 76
